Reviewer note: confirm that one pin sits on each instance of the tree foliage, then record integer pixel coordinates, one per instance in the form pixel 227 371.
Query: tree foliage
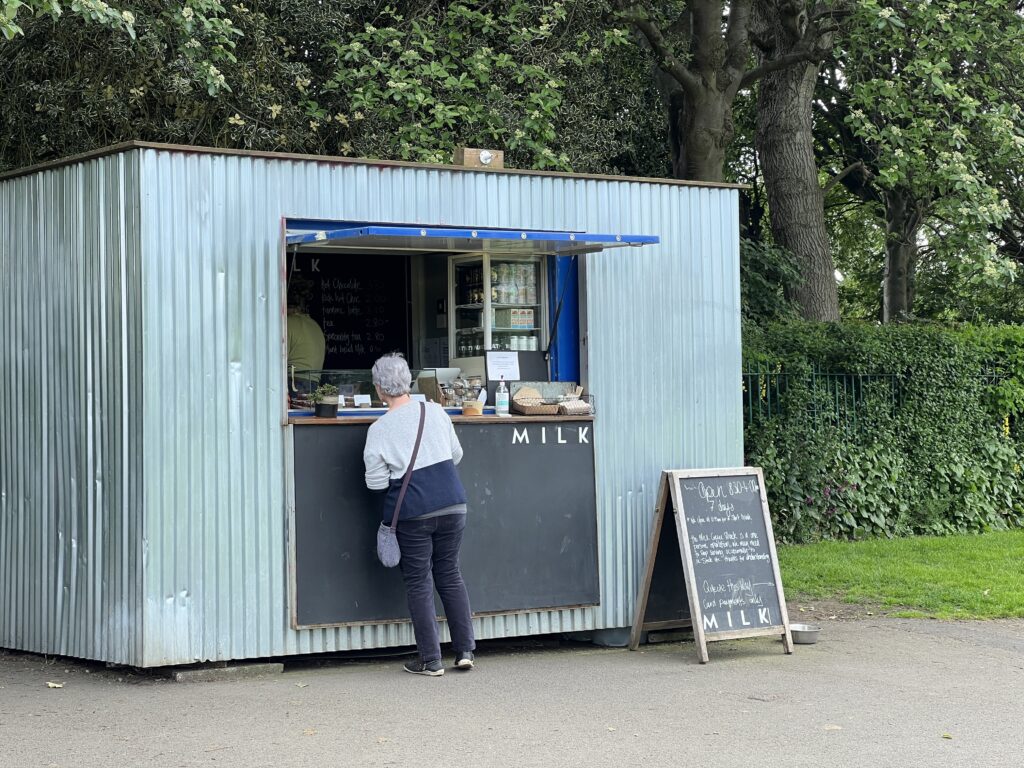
pixel 921 112
pixel 95 11
pixel 401 82
pixel 918 123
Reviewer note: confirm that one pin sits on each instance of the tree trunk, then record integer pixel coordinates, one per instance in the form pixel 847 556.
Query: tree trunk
pixel 699 84
pixel 902 222
pixel 702 130
pixel 785 146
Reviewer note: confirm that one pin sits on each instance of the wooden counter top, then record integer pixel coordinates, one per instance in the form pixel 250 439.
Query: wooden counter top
pixel 514 419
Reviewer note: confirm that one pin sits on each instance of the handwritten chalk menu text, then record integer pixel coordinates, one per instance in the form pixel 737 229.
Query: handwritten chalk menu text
pixel 712 540
pixel 732 562
pixel 361 302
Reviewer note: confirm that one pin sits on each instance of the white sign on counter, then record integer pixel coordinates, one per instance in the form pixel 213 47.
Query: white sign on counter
pixel 501 364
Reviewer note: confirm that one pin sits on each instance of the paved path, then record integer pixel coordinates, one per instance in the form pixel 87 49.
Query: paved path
pixel 873 692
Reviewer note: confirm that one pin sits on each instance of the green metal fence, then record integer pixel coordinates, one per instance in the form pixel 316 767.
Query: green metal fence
pixel 842 399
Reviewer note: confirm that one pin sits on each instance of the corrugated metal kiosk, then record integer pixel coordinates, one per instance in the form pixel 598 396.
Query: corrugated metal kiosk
pixel 159 502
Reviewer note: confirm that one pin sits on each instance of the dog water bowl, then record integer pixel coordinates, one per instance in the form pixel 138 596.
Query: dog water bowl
pixel 804 634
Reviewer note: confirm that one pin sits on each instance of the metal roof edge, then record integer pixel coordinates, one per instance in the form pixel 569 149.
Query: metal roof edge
pixel 126 146
pixel 81 157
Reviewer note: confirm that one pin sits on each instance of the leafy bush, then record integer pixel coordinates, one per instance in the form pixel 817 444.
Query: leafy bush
pixel 921 434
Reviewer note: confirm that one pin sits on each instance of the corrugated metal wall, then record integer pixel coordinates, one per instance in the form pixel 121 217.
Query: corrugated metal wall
pixel 664 363
pixel 153 277
pixel 70 509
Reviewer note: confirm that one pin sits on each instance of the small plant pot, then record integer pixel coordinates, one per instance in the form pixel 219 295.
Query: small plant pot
pixel 328 409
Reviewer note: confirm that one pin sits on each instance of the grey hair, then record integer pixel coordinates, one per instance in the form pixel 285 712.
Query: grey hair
pixel 391 374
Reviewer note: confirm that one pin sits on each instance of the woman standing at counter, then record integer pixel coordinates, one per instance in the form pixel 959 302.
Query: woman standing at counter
pixel 433 514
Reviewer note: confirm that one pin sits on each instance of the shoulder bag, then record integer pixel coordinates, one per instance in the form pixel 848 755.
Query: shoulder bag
pixel 388 551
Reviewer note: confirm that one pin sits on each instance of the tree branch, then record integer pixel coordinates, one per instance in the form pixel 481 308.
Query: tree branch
pixel 773 65
pixel 822 11
pixel 737 34
pixel 667 60
pixel 855 166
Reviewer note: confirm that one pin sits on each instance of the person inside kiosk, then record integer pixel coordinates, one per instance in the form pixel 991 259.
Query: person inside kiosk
pixel 306 342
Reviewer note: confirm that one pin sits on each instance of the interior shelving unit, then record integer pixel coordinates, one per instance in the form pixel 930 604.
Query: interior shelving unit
pixel 496 302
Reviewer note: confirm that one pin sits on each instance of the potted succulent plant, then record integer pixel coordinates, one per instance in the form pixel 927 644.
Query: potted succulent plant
pixel 325 401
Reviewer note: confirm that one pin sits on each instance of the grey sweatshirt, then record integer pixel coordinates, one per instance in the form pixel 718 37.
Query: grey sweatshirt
pixel 435 486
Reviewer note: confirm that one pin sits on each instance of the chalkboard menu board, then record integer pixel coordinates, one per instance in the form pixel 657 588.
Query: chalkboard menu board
pixel 528 545
pixel 717 545
pixel 361 301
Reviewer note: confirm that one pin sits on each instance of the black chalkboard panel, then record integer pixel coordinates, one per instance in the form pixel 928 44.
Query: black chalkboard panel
pixel 712 545
pixel 531 535
pixel 362 302
pixel 731 551
pixel 666 601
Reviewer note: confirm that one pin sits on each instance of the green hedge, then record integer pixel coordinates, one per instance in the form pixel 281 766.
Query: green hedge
pixel 927 438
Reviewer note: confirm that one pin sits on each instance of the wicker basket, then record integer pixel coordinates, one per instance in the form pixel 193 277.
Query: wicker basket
pixel 533 406
pixel 575 408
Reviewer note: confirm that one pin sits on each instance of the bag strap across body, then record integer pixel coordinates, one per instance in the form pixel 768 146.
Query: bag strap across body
pixel 412 463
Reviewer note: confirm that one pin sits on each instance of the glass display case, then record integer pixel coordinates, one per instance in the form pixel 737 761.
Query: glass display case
pixel 349 382
pixel 497 303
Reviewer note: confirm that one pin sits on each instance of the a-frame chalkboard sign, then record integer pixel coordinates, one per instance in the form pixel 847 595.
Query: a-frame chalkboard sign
pixel 712 541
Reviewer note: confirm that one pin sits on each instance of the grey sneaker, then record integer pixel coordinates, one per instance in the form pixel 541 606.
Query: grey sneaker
pixel 432 668
pixel 464 660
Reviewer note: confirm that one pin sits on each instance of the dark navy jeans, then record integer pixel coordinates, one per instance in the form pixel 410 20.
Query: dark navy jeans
pixel 430 558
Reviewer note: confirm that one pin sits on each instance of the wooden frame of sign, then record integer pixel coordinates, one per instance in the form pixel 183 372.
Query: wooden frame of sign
pixel 726 549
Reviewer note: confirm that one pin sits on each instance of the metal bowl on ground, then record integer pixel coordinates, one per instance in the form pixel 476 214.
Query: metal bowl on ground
pixel 804 634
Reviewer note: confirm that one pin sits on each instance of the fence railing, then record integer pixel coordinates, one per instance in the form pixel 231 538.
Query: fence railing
pixel 841 399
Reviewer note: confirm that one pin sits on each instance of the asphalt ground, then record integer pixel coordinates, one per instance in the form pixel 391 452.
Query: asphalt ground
pixel 873 691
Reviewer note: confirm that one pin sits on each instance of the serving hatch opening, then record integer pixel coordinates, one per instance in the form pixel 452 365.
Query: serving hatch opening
pixel 443 295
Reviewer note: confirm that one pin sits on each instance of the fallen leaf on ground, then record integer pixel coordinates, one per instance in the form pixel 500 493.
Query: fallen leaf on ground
pixel 54 685
pixel 946 736
pixel 309 732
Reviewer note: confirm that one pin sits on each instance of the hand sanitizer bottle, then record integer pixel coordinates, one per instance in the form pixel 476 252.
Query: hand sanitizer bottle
pixel 501 398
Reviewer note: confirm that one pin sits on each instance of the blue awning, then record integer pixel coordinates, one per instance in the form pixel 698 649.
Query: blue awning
pixel 361 236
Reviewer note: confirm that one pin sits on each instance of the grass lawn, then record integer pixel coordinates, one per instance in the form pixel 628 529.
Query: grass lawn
pixel 949 577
